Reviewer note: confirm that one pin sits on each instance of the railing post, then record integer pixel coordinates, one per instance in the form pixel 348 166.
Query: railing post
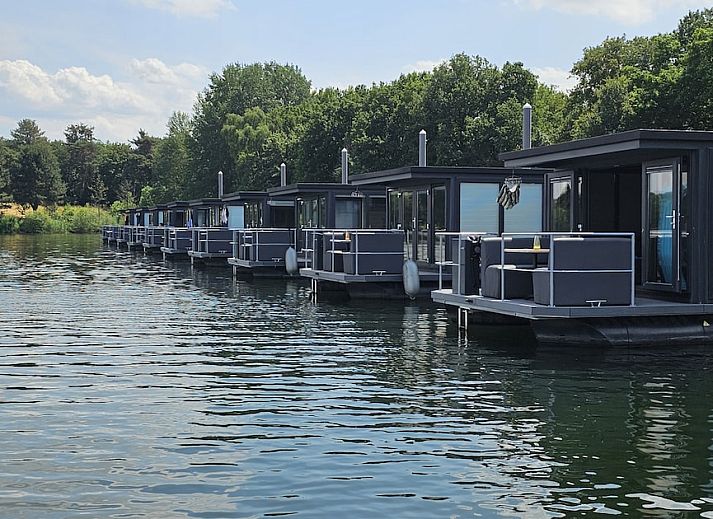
pixel 502 267
pixel 551 265
pixel 633 269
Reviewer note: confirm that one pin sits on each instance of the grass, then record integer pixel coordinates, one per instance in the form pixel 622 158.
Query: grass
pixel 58 220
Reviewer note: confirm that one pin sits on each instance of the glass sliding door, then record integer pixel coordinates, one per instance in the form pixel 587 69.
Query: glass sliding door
pixel 422 227
pixel 409 223
pixel 561 204
pixel 662 222
pixel 439 221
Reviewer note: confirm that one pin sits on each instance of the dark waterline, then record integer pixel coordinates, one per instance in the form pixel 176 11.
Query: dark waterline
pixel 130 387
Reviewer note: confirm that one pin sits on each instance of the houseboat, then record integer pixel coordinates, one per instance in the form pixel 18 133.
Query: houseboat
pixel 176 232
pixel 625 257
pixel 420 202
pixel 287 215
pixel 154 232
pixel 209 234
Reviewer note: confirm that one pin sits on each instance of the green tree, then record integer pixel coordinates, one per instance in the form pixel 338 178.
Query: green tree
pixel 138 168
pixel 27 132
pixel 237 88
pixel 384 131
pixel 171 162
pixel 35 178
pixel 79 168
pixel 110 162
pixel 7 157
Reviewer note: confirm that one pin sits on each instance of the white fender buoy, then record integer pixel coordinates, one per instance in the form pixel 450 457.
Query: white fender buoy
pixel 291 261
pixel 412 283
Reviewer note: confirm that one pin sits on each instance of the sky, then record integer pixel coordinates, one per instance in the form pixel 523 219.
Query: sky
pixel 121 65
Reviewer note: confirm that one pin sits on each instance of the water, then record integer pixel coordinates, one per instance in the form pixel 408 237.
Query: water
pixel 133 388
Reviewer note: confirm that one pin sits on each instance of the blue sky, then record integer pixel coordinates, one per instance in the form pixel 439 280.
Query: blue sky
pixel 124 64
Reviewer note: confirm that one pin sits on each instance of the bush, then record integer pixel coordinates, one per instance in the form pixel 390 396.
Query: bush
pixel 9 224
pixel 74 219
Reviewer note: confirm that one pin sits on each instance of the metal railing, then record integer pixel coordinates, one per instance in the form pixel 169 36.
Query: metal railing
pixel 247 243
pixel 446 238
pixel 552 236
pixel 203 237
pixel 350 238
pixel 175 237
pixel 459 264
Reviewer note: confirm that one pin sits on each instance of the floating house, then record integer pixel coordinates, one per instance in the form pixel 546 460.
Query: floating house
pixel 285 217
pixel 422 206
pixel 177 234
pixel 626 253
pixel 155 229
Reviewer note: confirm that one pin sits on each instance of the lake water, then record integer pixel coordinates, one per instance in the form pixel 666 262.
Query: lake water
pixel 130 387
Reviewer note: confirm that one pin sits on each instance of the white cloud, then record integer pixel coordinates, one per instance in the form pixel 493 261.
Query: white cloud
pixel 156 71
pixel 117 109
pixel 561 79
pixel 422 66
pixel 189 8
pixel 628 12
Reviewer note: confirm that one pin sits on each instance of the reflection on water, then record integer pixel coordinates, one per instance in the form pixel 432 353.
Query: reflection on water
pixel 130 387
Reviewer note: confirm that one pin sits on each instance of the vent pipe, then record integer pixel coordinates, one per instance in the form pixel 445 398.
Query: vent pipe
pixel 220 184
pixel 526 126
pixel 283 174
pixel 345 166
pixel 422 148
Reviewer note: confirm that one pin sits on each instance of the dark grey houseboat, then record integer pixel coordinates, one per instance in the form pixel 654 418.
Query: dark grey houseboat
pixel 154 232
pixel 421 202
pixel 177 234
pixel 210 236
pixel 627 256
pixel 283 219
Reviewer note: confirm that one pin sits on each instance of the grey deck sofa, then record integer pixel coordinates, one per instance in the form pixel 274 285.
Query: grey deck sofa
pixel 586 271
pixel 518 267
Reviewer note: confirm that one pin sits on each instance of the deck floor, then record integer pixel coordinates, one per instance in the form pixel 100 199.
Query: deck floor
pixel 527 309
pixel 342 277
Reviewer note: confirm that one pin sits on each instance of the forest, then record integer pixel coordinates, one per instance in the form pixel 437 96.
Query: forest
pixel 252 117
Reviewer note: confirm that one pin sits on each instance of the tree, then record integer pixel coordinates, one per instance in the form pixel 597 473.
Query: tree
pixel 79 168
pixel 7 157
pixel 237 88
pixel 110 162
pixel 35 177
pixel 171 161
pixel 384 131
pixel 138 168
pixel 27 132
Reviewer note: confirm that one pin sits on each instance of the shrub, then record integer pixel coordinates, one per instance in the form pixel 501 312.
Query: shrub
pixel 9 224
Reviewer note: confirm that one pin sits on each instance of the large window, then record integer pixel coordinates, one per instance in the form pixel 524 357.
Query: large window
pixel 439 220
pixel 312 213
pixel 395 217
pixel 375 212
pixel 253 215
pixel 561 204
pixel 347 213
pixel 479 207
pixel 526 216
pixel 236 217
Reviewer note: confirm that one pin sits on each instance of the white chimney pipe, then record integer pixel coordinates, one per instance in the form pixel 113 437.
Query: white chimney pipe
pixel 283 174
pixel 422 148
pixel 345 166
pixel 220 184
pixel 526 126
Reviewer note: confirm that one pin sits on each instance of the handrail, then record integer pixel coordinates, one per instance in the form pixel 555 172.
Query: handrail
pixel 442 236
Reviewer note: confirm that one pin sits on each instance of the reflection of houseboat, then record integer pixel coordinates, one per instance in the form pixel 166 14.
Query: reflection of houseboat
pixel 421 201
pixel 627 259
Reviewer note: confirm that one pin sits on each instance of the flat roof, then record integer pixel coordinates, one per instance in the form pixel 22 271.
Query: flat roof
pixel 177 204
pixel 428 173
pixel 240 195
pixel 205 202
pixel 621 143
pixel 312 187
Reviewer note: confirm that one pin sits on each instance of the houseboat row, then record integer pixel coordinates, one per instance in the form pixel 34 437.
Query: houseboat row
pixel 597 241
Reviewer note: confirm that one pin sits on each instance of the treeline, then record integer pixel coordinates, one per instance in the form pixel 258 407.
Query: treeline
pixel 251 118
